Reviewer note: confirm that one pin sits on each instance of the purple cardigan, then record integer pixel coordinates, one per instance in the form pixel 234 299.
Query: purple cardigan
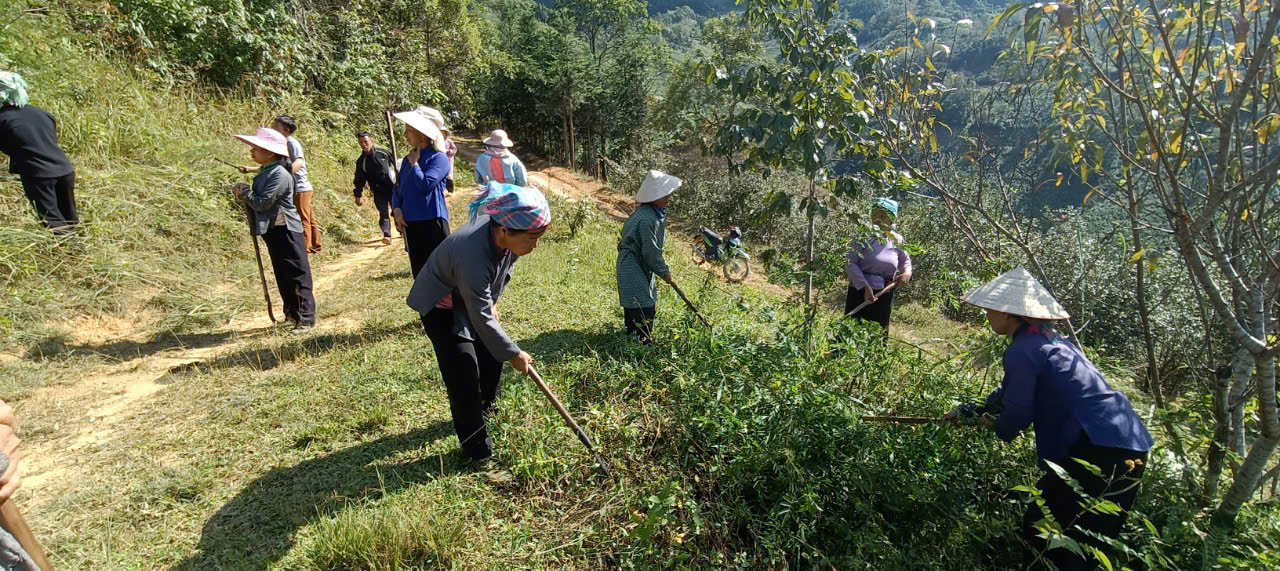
pixel 874 263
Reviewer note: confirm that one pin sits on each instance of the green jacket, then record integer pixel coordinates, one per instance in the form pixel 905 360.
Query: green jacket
pixel 640 258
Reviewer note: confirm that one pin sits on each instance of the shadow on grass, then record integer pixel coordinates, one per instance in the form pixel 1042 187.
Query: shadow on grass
pixel 554 346
pixel 125 350
pixel 266 358
pixel 257 527
pixel 392 276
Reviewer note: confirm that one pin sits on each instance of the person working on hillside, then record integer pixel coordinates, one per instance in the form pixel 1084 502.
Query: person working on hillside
pixel 418 202
pixel 450 148
pixel 1050 385
pixel 298 166
pixel 456 294
pixel 375 168
pixel 873 263
pixel 29 136
pixel 275 218
pixel 640 254
pixel 497 163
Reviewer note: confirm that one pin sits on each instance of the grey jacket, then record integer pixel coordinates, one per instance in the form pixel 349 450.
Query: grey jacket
pixel 470 266
pixel 271 198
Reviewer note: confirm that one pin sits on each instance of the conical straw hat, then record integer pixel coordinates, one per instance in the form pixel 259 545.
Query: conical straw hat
pixel 1017 291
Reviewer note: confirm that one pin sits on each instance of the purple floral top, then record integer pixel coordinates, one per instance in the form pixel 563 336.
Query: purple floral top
pixel 874 263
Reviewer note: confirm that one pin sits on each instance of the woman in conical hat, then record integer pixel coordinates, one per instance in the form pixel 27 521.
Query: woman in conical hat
pixel 640 254
pixel 1050 385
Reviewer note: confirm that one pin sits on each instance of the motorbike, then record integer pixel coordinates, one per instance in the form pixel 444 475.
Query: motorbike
pixel 729 254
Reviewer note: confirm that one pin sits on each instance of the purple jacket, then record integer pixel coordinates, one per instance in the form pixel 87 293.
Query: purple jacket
pixel 874 263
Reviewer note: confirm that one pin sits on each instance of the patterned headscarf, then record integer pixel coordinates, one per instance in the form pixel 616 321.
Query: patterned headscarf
pixel 13 89
pixel 515 207
pixel 887 204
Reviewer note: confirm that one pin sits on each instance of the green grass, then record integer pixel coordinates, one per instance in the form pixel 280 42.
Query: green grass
pixel 161 230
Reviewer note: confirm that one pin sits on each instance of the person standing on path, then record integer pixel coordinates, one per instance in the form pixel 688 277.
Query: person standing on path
pixel 457 292
pixel 310 228
pixel 1049 384
pixel 276 219
pixel 497 163
pixel 640 254
pixel 374 167
pixel 418 203
pixel 450 148
pixel 874 262
pixel 29 136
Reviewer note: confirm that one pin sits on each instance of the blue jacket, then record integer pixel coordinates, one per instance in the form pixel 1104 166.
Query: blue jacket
pixel 419 191
pixel 1048 382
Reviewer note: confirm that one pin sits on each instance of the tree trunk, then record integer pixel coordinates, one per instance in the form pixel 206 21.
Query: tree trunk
pixel 809 238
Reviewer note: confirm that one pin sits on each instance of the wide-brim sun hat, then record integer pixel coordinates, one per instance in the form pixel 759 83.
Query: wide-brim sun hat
pixel 656 185
pixel 498 138
pixel 268 139
pixel 13 89
pixel 435 115
pixel 1017 292
pixel 420 119
pixel 886 204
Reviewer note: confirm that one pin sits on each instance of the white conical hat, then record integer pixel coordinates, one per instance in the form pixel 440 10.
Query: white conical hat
pixel 1017 291
pixel 655 186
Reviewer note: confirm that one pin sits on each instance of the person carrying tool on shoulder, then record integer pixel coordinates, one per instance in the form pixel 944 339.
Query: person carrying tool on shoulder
pixel 497 163
pixel 1049 384
pixel 275 218
pixel 457 293
pixel 640 254
pixel 375 168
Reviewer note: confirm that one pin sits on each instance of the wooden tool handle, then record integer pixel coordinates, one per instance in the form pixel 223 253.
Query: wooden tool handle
pixel 11 519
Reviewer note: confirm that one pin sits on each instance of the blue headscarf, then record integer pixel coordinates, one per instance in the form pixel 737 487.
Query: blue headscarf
pixel 887 204
pixel 13 89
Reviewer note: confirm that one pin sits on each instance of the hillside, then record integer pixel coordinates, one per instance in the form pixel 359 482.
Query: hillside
pixel 166 423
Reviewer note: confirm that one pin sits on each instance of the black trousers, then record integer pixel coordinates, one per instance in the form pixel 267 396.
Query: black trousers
pixel 1117 483
pixel 639 321
pixel 293 274
pixel 54 199
pixel 472 378
pixel 382 201
pixel 421 238
pixel 877 311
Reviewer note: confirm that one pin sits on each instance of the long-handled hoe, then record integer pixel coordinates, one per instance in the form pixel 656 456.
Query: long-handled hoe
pixel 886 289
pixel 257 250
pixel 11 519
pixel 582 435
pixel 691 306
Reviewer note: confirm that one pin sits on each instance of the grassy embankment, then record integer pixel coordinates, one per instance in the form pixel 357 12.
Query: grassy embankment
pixel 163 248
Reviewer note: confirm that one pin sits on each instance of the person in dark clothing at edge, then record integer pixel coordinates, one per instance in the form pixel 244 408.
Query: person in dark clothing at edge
pixel 374 167
pixel 1051 385
pixel 29 136
pixel 457 292
pixel 418 203
pixel 275 218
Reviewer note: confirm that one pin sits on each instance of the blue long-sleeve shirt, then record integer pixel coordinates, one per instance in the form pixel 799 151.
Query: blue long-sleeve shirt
pixel 1049 383
pixel 419 190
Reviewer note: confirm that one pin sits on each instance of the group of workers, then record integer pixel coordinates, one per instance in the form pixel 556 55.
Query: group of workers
pixel 459 277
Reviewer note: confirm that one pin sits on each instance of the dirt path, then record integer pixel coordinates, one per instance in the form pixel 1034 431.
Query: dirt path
pixel 92 408
pixel 568 184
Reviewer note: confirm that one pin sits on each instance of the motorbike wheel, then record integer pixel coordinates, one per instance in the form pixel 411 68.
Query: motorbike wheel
pixel 698 257
pixel 736 269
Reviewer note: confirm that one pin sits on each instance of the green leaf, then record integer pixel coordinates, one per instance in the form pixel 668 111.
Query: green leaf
pixel 1137 256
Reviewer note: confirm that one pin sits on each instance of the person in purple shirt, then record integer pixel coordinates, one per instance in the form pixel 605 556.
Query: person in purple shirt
pixel 1050 385
pixel 874 263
